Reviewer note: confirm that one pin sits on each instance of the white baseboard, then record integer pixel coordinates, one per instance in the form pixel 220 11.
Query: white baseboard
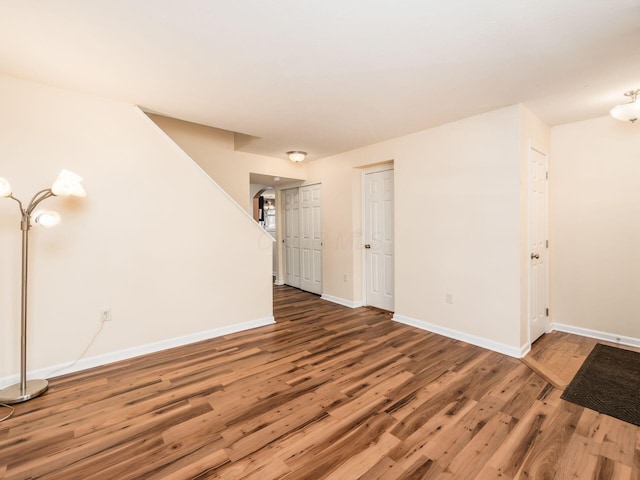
pixel 342 301
pixel 464 337
pixel 127 353
pixel 598 335
pixel 278 283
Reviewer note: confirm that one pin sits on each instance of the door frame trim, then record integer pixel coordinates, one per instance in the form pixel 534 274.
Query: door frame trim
pixel 381 167
pixel 531 148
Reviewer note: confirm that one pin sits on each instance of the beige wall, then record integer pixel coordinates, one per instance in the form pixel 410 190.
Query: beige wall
pixel 213 150
pixel 595 226
pixel 341 223
pixel 149 240
pixel 457 224
pixel 461 209
pixel 154 257
pixel 460 225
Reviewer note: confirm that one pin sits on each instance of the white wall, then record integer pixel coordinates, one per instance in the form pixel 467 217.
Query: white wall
pixel 595 226
pixel 150 240
pixel 457 225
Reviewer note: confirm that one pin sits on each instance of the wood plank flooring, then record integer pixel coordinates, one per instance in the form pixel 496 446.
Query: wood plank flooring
pixel 327 393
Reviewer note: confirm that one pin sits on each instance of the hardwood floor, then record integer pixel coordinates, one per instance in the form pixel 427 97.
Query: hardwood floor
pixel 328 392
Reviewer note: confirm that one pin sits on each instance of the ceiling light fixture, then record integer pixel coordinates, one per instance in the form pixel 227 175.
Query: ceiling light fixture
pixel 296 155
pixel 628 112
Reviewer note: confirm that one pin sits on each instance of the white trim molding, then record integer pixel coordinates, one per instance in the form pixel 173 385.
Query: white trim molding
pixel 464 337
pixel 598 335
pixel 342 301
pixel 85 363
pixel 379 167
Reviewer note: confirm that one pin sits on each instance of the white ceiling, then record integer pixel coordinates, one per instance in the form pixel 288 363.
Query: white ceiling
pixel 332 75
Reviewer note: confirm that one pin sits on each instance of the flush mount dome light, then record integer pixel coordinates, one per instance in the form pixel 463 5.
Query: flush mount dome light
pixel 296 155
pixel 628 112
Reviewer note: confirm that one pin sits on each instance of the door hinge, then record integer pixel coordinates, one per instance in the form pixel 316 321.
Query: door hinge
pixel 546 175
pixel 547 312
pixel 546 243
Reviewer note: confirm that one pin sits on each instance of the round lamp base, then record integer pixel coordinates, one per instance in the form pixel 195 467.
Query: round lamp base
pixel 13 394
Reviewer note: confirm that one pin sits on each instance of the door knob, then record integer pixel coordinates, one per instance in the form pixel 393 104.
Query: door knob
pixel 367 246
pixel 535 255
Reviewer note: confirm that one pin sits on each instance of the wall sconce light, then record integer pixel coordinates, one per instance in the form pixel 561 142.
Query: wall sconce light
pixel 67 184
pixel 296 155
pixel 628 112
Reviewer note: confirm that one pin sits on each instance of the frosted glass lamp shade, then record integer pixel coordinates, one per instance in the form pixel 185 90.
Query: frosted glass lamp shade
pixel 627 112
pixel 68 184
pixel 46 218
pixel 296 156
pixel 5 188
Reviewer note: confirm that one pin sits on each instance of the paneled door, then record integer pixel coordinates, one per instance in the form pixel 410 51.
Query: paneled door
pixel 310 239
pixel 303 238
pixel 291 237
pixel 538 245
pixel 378 239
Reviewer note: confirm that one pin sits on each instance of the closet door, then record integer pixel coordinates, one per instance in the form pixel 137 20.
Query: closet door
pixel 291 237
pixel 310 239
pixel 303 238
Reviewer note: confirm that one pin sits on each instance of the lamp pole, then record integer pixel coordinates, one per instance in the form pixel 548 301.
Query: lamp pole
pixel 25 390
pixel 25 225
pixel 67 183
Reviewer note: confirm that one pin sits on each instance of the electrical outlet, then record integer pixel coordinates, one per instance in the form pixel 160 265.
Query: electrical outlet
pixel 105 315
pixel 448 298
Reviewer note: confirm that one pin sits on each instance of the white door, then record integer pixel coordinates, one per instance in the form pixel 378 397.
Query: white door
pixel 378 239
pixel 291 237
pixel 310 239
pixel 538 246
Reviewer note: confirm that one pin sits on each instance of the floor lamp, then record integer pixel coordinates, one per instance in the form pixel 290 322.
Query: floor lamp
pixel 66 184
